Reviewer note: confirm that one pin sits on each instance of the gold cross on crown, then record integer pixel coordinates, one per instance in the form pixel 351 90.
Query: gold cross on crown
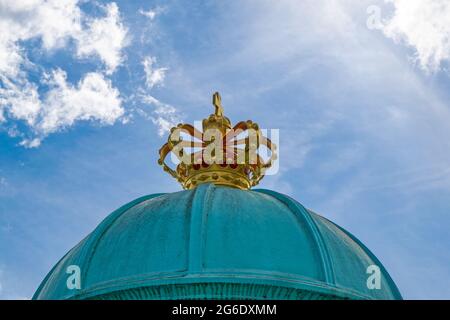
pixel 217 102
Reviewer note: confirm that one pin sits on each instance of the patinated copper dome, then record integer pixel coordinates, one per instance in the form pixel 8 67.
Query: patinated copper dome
pixel 217 242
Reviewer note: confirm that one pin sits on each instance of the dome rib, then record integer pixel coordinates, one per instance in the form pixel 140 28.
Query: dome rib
pixel 195 255
pixel 392 285
pixel 47 277
pixel 103 227
pixel 299 210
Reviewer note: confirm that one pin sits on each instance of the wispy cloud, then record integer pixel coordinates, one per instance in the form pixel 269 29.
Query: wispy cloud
pixel 423 25
pixel 153 76
pixel 151 13
pixel 164 116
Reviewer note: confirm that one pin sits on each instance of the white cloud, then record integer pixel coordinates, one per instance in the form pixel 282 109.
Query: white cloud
pixel 425 26
pixel 51 21
pixel 10 56
pixel 93 98
pixel 57 24
pixel 31 143
pixel 164 116
pixel 153 76
pixel 105 38
pixel 151 13
pixel 20 98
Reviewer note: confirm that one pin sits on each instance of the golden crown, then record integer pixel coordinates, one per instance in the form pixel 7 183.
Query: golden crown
pixel 221 154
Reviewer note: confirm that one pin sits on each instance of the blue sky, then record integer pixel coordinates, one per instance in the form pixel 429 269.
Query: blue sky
pixel 359 90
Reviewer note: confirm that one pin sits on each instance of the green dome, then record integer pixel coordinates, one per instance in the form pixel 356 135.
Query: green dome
pixel 217 242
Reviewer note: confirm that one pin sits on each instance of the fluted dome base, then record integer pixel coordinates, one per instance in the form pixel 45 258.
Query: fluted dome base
pixel 215 291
